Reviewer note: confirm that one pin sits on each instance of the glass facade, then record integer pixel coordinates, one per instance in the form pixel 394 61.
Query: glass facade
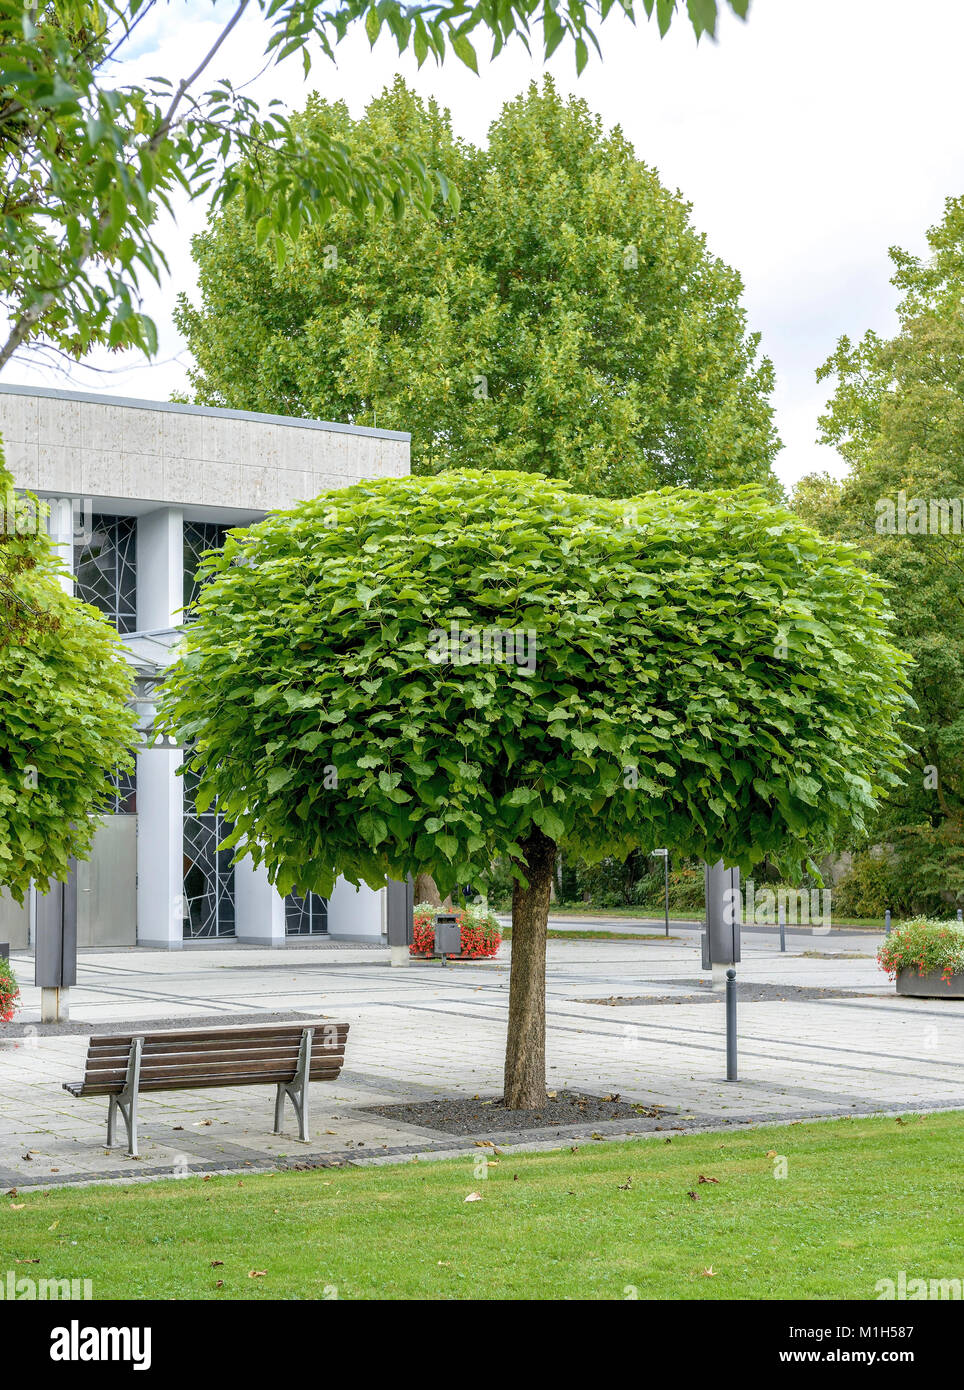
pixel 124 801
pixel 105 569
pixel 208 871
pixel 198 537
pixel 306 916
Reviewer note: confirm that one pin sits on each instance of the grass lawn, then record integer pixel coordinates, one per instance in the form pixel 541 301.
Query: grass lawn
pixel 862 1199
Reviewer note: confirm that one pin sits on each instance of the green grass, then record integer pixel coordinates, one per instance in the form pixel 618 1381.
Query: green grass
pixel 862 1199
pixel 558 934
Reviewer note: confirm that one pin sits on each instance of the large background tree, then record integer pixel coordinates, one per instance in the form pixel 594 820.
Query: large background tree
pixel 897 418
pixel 569 320
pixel 65 724
pixel 707 673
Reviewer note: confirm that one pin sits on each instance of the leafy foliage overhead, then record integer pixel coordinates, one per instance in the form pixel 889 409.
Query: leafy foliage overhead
pixel 569 320
pixel 65 724
pixel 707 673
pixel 87 159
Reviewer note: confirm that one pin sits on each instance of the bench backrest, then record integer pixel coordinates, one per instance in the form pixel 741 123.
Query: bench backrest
pixel 249 1055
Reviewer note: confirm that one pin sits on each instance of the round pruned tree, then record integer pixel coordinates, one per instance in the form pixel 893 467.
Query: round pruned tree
pixel 65 723
pixel 429 672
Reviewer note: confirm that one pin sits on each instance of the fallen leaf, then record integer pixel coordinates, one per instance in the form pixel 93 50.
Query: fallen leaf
pixel 625 1186
pixel 771 1153
pixel 484 1144
pixel 573 1148
pixel 29 1262
pixel 704 1179
pixel 257 1273
pixel 219 1284
pixel 710 1273
pixel 17 1206
pixel 55 1225
pixel 473 1197
pixel 216 1264
pixel 694 1195
pixel 614 1097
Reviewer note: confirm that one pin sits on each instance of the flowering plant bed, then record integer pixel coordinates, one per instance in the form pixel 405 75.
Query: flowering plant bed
pixel 9 992
pixel 926 957
pixel 480 935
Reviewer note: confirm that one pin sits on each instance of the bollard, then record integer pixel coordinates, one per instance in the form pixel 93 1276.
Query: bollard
pixel 731 1024
pixel 782 917
pixel 887 922
pixel 960 915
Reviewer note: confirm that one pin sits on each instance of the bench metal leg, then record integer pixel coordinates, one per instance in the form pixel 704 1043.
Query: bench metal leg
pixel 126 1100
pixel 296 1090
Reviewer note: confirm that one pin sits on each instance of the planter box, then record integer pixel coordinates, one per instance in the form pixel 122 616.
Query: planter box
pixel 930 986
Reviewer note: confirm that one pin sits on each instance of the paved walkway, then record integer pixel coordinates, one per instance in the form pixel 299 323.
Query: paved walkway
pixel 426 1031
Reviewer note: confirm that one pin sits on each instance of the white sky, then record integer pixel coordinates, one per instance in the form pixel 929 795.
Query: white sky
pixel 808 141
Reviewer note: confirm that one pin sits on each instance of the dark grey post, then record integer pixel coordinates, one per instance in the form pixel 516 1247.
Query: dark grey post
pixel 960 915
pixel 782 918
pixel 887 922
pixel 723 916
pixel 55 946
pixel 731 1025
pixel 400 905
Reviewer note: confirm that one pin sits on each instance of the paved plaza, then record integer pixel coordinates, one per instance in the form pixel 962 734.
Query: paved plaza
pixel 426 1031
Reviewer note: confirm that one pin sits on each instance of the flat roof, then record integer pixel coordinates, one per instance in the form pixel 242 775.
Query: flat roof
pixel 175 407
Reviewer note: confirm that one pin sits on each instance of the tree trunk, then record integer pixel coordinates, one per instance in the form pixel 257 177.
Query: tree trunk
pixel 525 1052
pixel 427 892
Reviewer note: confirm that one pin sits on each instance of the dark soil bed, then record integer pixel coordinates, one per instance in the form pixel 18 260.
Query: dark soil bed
pixel 746 993
pixel 488 1115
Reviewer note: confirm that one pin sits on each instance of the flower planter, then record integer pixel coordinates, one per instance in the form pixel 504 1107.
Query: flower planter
pixel 930 985
pixel 478 932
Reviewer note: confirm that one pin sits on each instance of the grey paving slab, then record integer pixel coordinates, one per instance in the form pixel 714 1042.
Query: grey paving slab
pixel 426 1031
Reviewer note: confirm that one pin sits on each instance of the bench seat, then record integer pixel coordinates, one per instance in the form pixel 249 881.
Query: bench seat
pixel 286 1055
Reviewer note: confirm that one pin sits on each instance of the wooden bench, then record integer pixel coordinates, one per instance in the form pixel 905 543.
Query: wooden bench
pixel 288 1055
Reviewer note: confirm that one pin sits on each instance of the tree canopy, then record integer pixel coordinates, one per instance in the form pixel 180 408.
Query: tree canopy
pixel 897 418
pixel 429 672
pixel 88 159
pixel 66 726
pixel 568 320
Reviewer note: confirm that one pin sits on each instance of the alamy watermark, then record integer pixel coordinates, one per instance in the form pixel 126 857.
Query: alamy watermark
pixel 22 1288
pixel 919 516
pixel 26 515
pixel 473 646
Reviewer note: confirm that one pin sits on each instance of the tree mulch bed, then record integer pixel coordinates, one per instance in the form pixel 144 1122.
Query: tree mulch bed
pixel 747 993
pixel 471 1116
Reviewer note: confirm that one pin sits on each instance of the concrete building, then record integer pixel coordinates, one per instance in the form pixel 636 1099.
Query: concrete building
pixel 137 491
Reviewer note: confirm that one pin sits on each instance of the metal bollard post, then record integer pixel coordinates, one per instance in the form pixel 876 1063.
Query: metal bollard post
pixel 960 915
pixel 782 918
pixel 731 1024
pixel 887 922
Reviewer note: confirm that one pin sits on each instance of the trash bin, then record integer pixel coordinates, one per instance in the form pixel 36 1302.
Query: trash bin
pixel 448 935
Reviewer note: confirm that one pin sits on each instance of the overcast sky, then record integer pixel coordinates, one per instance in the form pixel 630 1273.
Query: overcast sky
pixel 808 141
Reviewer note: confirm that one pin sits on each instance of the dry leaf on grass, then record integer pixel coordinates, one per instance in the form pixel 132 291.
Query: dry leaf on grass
pixel 473 1197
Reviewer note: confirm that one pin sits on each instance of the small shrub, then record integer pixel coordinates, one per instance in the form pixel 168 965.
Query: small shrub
pixel 480 933
pixel 9 992
pixel 925 945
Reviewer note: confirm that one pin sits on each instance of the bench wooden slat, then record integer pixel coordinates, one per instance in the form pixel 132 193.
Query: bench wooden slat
pixel 196 1082
pixel 222 1054
pixel 189 1036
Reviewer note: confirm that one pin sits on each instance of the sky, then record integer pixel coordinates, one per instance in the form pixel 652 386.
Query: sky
pixel 808 141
